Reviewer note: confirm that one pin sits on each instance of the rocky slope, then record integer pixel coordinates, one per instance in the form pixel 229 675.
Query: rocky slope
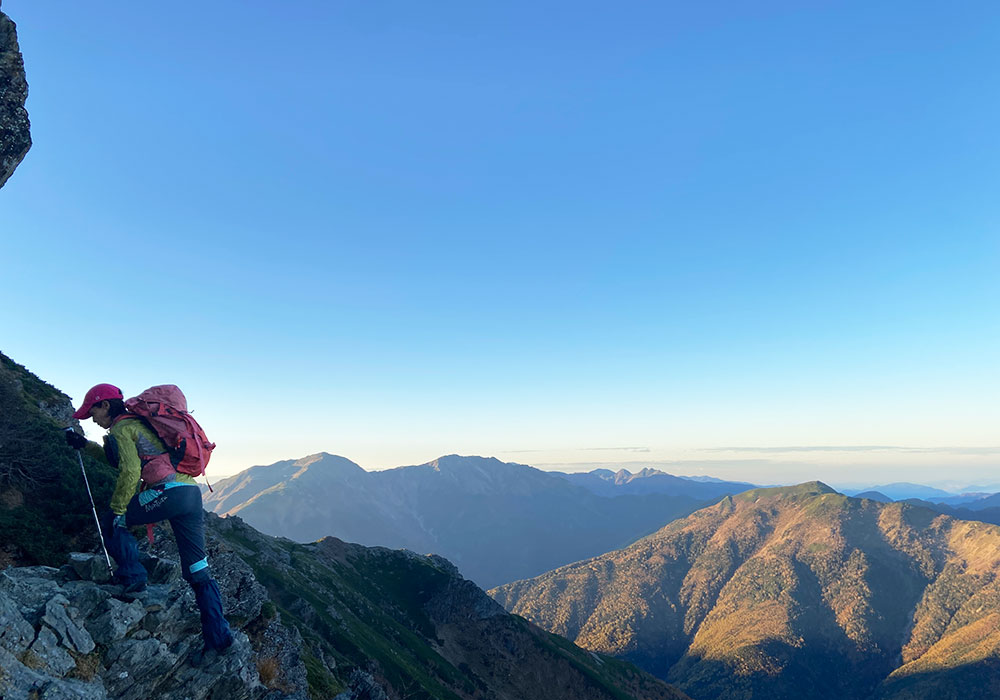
pixel 790 593
pixel 323 620
pixel 69 636
pixel 15 139
pixel 496 521
pixel 334 621
pixel 409 626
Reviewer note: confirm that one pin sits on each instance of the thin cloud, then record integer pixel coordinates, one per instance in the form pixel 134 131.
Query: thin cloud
pixel 614 449
pixel 858 448
pixel 808 448
pixel 582 449
pixel 661 464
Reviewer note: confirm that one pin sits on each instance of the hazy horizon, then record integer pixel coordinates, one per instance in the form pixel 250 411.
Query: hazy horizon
pixel 733 470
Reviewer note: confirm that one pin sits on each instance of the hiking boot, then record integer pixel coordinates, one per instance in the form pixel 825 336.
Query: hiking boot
pixel 206 655
pixel 137 587
pixel 117 580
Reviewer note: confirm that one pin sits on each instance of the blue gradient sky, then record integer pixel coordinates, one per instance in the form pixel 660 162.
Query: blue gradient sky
pixel 696 235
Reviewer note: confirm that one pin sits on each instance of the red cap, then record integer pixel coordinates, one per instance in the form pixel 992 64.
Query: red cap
pixel 98 393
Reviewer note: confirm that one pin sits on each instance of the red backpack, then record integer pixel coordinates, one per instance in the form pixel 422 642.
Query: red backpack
pixel 165 409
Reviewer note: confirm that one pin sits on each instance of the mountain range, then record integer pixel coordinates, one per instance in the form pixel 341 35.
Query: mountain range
pixel 984 510
pixel 605 482
pixel 972 498
pixel 319 620
pixel 900 490
pixel 497 521
pixel 795 592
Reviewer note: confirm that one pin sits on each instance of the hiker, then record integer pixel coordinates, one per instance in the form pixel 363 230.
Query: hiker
pixel 132 447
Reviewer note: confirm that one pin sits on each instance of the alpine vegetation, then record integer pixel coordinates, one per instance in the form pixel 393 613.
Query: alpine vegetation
pixel 789 593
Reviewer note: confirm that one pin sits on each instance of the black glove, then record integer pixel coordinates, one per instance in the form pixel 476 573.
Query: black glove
pixel 75 440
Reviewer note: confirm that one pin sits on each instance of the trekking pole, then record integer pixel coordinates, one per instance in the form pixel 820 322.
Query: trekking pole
pixel 93 509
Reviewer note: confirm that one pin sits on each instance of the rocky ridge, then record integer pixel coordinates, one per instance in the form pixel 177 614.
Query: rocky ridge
pixel 605 482
pixel 70 633
pixel 381 623
pixel 329 620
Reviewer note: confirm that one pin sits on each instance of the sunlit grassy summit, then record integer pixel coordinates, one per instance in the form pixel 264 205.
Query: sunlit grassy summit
pixel 791 592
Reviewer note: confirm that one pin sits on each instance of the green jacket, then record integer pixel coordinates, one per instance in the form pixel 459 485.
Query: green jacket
pixel 127 439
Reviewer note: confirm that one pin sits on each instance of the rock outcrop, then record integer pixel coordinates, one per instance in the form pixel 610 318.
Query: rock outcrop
pixel 63 636
pixel 15 139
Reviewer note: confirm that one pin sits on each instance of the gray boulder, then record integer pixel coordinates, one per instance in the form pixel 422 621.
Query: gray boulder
pixel 171 613
pixel 18 682
pixel 62 618
pixel 162 570
pixel 136 667
pixel 85 596
pixel 117 620
pixel 90 567
pixel 232 676
pixel 16 633
pixel 48 655
pixel 29 590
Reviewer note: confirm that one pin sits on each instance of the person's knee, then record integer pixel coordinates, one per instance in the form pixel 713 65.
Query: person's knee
pixel 197 573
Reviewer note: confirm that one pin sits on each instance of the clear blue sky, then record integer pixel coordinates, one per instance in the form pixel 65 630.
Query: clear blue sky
pixel 558 233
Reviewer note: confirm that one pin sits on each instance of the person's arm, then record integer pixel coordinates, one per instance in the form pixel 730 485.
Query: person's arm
pixel 79 441
pixel 129 468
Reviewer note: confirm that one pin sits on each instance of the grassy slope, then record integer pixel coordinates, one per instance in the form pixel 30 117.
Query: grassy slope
pixel 44 509
pixel 785 592
pixel 418 626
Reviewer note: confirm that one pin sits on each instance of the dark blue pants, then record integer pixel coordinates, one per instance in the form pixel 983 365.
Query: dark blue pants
pixel 182 506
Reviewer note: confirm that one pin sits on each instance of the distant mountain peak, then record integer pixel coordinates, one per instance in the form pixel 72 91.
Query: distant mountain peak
pixel 874 496
pixel 455 462
pixel 809 488
pixel 311 459
pixel 325 460
pixel 624 476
